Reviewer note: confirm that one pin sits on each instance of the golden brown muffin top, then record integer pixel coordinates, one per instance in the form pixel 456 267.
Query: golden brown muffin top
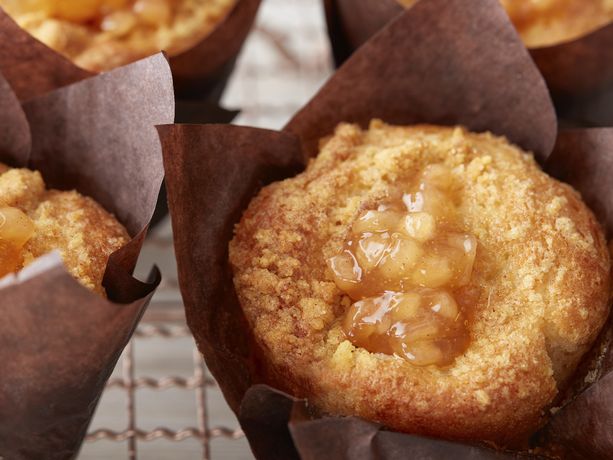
pixel 548 22
pixel 541 275
pixel 103 34
pixel 75 225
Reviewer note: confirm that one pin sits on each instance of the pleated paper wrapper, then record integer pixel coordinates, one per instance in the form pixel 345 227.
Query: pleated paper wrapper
pixel 579 72
pixel 59 342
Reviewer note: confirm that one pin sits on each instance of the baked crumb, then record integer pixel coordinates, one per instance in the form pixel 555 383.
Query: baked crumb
pixel 75 225
pixel 103 34
pixel 549 22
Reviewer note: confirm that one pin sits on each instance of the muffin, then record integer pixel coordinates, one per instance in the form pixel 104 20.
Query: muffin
pixel 99 35
pixel 544 23
pixel 35 221
pixel 428 278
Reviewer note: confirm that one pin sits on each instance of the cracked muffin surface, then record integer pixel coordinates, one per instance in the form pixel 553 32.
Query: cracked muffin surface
pixel 35 221
pixel 540 283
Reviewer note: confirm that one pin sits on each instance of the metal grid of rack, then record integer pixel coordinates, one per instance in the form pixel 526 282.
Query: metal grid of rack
pixel 198 382
pixel 284 62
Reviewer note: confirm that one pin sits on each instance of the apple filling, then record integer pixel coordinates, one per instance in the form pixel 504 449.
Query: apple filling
pixel 16 228
pixel 406 265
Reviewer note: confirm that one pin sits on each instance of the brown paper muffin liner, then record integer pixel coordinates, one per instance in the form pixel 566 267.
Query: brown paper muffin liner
pixel 577 72
pixel 204 70
pixel 33 69
pixel 59 342
pixel 352 22
pixel 469 68
pixel 200 73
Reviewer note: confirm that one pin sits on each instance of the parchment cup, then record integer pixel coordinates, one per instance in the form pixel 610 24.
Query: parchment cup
pixel 203 70
pixel 469 68
pixel 191 111
pixel 576 71
pixel 351 23
pixel 14 142
pixel 199 73
pixel 59 342
pixel 34 69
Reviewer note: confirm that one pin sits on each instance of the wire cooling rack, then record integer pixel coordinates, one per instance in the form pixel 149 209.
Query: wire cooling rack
pixel 284 62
